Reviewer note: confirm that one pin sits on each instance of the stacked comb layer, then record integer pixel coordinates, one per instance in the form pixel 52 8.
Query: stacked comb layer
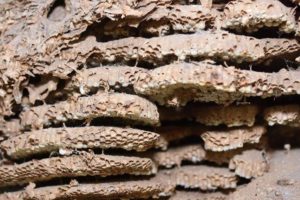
pixel 150 99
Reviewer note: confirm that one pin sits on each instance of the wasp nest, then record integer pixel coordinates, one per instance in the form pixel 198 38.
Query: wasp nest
pixel 253 15
pixel 139 99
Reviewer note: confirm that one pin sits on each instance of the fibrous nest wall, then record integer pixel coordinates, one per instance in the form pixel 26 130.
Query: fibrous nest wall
pixel 163 99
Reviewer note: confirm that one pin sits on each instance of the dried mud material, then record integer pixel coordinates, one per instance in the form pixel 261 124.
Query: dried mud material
pixel 149 99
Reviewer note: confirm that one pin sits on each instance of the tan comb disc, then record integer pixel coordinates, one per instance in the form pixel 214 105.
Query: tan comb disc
pixel 232 138
pixel 74 166
pixel 179 18
pixel 283 115
pixel 163 20
pixel 53 139
pixel 204 177
pixel 119 105
pixel 206 44
pixel 112 77
pixel 224 157
pixel 252 15
pixel 116 190
pixel 174 156
pixel 249 164
pixel 180 83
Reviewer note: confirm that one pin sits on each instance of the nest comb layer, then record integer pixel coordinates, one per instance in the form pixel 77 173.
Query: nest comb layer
pixel 159 99
pixel 81 165
pixel 54 139
pixel 128 189
pixel 125 106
